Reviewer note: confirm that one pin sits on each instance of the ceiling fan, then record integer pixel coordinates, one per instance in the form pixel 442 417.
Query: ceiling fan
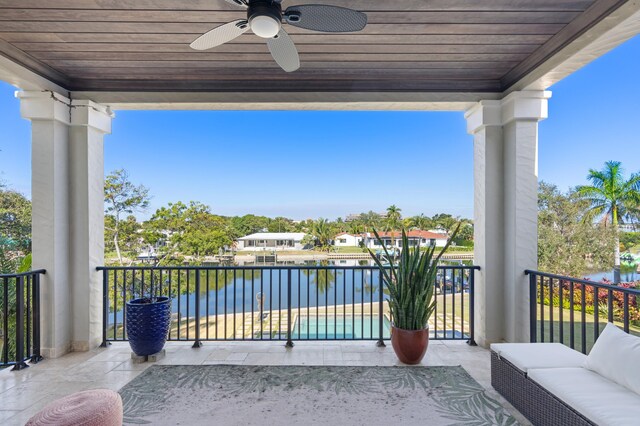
pixel 265 19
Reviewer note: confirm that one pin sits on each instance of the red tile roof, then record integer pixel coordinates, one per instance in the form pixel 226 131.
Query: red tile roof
pixel 415 234
pixel 398 234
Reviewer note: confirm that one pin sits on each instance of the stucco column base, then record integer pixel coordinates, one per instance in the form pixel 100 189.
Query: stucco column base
pixel 505 139
pixel 68 216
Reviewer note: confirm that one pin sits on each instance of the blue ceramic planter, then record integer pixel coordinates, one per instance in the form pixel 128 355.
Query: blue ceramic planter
pixel 148 324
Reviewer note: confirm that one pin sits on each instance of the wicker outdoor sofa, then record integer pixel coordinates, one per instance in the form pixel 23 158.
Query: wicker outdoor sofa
pixel 553 385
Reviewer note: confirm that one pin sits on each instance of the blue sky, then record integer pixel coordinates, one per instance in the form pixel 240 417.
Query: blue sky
pixel 329 164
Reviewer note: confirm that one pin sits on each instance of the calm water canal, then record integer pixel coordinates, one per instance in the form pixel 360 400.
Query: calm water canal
pixel 223 291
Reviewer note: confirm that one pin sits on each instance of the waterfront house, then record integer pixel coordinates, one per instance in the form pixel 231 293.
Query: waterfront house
pixel 344 239
pixel 271 241
pixel 415 237
pixel 368 239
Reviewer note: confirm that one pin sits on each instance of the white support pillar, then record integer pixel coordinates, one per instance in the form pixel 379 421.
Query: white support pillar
pixel 505 211
pixel 68 216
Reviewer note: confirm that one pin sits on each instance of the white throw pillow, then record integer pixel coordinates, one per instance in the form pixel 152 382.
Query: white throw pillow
pixel 616 356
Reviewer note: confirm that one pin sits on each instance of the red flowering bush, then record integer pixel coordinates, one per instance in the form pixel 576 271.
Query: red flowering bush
pixel 596 300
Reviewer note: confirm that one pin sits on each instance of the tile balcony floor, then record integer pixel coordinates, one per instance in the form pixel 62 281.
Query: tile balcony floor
pixel 23 393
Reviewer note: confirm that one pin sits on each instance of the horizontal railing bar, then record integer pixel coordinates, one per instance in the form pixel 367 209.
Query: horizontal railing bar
pixel 23 274
pixel 585 282
pixel 254 267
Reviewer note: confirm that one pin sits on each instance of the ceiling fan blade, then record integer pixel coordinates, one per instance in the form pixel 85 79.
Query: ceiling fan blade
pixel 220 35
pixel 330 19
pixel 284 51
pixel 240 3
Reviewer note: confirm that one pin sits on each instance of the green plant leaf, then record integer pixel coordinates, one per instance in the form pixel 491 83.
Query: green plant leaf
pixel 410 281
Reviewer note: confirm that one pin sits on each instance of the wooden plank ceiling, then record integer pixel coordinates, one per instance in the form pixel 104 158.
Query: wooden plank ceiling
pixel 408 45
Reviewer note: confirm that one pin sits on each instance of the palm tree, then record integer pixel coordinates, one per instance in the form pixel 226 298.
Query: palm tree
pixel 321 230
pixel 341 225
pixel 420 222
pixel 393 221
pixel 355 227
pixel 612 197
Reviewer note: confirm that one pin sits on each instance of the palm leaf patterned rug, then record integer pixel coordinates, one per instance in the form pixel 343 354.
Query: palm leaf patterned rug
pixel 305 395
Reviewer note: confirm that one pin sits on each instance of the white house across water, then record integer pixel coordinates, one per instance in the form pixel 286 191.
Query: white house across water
pixel 272 241
pixel 344 239
pixel 421 238
pixel 368 239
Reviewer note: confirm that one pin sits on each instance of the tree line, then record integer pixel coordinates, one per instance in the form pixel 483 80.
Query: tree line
pixel 192 229
pixel 577 230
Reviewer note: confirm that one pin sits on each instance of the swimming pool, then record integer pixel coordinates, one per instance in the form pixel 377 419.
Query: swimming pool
pixel 360 327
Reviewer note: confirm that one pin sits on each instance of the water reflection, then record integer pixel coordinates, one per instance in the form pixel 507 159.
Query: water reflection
pixel 227 291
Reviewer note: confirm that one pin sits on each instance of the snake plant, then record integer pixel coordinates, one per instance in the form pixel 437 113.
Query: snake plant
pixel 411 282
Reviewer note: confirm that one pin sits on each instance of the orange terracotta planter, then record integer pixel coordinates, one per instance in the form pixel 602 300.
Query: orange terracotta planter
pixel 409 345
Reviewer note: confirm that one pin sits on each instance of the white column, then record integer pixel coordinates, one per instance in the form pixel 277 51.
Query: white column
pixel 89 123
pixel 50 214
pixel 67 219
pixel 488 162
pixel 505 211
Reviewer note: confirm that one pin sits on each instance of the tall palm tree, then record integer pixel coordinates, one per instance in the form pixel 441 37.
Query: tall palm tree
pixel 393 222
pixel 321 230
pixel 613 197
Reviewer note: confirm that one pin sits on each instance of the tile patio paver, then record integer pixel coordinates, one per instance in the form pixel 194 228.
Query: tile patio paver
pixel 23 393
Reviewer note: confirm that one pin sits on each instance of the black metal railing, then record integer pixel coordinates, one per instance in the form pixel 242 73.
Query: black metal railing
pixel 280 302
pixel 574 311
pixel 20 321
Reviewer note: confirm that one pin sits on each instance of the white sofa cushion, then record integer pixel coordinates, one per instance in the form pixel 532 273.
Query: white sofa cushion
pixel 616 356
pixel 538 355
pixel 598 399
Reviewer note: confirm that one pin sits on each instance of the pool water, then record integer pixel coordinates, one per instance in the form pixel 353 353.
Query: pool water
pixel 366 327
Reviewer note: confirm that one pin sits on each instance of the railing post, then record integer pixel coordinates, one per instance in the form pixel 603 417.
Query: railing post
pixel 380 342
pixel 197 343
pixel 472 307
pixel 289 343
pixel 36 356
pixel 609 305
pixel 20 364
pixel 533 315
pixel 5 323
pixel 105 306
pixel 626 312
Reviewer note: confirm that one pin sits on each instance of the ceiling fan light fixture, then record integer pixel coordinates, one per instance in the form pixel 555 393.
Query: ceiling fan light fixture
pixel 265 18
pixel 264 26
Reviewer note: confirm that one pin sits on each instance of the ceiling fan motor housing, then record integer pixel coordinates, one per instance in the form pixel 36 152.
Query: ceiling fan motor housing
pixel 265 17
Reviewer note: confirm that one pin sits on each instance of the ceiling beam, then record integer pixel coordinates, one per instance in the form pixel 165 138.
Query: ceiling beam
pixel 354 101
pixel 16 69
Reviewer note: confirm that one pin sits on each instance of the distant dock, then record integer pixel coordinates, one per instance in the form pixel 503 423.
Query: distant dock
pixel 446 256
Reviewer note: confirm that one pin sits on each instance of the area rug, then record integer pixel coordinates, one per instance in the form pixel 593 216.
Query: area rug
pixel 305 395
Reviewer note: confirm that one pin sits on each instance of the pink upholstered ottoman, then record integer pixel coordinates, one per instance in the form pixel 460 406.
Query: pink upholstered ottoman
pixel 99 407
